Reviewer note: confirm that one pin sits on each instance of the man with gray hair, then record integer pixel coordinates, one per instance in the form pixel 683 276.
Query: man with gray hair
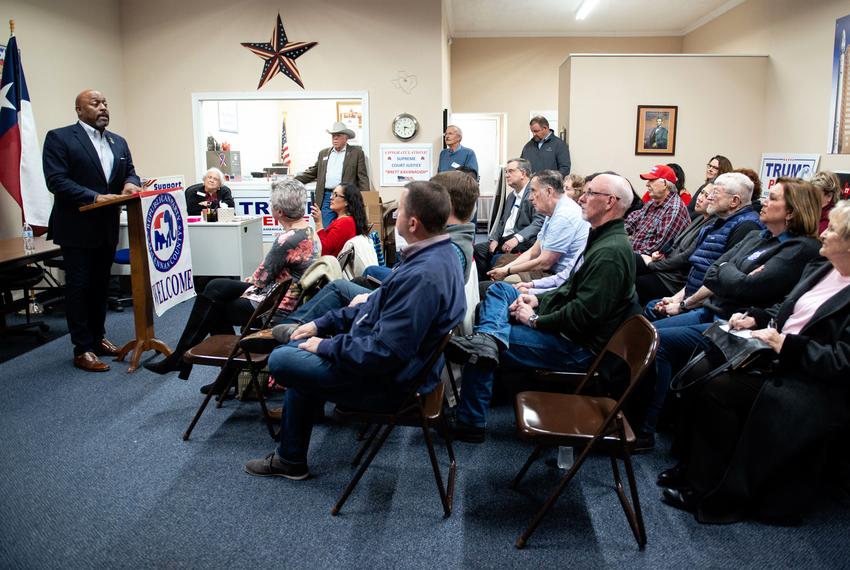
pixel 560 329
pixel 663 217
pixel 516 229
pixel 454 156
pixel 728 200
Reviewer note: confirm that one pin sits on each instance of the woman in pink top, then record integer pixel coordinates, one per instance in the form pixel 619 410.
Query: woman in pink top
pixel 754 439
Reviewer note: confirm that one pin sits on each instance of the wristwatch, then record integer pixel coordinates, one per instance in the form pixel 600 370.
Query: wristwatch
pixel 532 320
pixel 682 306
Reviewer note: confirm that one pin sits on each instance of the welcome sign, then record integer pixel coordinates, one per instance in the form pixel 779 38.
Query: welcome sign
pixel 169 254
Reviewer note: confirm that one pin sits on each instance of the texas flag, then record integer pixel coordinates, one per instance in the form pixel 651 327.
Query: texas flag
pixel 21 172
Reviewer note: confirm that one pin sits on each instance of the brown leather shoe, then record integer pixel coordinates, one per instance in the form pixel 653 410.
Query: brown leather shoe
pixel 260 342
pixel 89 362
pixel 275 413
pixel 106 348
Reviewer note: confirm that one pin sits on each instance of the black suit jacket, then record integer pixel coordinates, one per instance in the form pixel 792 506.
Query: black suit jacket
pixel 528 221
pixel 195 194
pixel 75 176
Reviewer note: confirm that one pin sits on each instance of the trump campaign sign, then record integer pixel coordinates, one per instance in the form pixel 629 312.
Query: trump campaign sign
pixel 169 255
pixel 791 165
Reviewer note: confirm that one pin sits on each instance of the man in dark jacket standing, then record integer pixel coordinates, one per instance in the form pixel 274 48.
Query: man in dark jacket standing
pixel 86 164
pixel 561 329
pixel 545 150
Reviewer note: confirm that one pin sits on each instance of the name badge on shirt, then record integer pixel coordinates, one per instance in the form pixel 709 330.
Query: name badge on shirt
pixel 326 157
pixel 455 165
pixel 755 255
pixel 201 194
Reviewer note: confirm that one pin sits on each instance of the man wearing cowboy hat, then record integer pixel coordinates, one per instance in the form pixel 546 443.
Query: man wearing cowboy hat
pixel 341 163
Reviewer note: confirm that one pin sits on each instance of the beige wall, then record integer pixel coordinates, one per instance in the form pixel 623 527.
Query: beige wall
pixel 360 48
pixel 720 102
pixel 56 38
pixel 798 37
pixel 517 75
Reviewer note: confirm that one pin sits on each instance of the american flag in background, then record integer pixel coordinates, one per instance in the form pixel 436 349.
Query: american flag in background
pixel 284 147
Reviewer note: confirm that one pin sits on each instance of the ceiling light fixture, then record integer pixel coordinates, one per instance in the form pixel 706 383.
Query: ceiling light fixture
pixel 585 8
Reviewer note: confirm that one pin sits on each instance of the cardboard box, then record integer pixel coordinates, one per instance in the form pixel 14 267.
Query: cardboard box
pixel 374 212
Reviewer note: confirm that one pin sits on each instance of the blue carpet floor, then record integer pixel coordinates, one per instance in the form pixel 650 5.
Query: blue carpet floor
pixel 95 475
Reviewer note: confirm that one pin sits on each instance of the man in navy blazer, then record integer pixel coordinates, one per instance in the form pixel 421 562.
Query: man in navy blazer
pixel 86 164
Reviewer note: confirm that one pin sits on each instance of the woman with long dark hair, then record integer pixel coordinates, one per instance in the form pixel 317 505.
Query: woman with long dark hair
pixel 347 204
pixel 717 165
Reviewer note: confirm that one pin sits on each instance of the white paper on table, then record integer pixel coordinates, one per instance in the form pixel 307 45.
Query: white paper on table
pixel 744 333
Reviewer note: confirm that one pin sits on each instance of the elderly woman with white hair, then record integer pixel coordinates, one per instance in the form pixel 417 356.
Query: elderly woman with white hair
pixel 209 194
pixel 753 439
pixel 225 303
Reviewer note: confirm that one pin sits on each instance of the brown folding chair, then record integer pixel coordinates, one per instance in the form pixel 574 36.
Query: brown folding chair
pixel 223 351
pixel 588 422
pixel 423 410
pixel 346 260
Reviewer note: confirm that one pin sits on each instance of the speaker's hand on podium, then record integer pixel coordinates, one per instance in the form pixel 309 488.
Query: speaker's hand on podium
pixel 130 188
pixel 106 198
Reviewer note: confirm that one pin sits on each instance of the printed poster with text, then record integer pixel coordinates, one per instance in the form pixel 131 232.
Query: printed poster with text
pixel 403 163
pixel 169 254
pixel 793 165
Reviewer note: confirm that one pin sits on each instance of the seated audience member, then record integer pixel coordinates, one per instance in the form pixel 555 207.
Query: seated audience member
pixel 211 193
pixel 733 218
pixel 755 201
pixel 369 355
pixel 561 329
pixel 716 166
pixel 683 193
pixel 829 186
pixel 751 440
pixel 759 271
pixel 225 303
pixel 347 203
pixel 517 228
pixel 660 219
pixel 562 237
pixel 573 185
pixel 665 271
pixel 463 195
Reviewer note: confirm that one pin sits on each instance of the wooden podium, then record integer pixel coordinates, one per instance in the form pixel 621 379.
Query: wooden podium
pixel 139 279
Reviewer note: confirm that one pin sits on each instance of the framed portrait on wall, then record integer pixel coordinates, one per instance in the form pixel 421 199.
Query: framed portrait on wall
pixel 350 113
pixel 656 129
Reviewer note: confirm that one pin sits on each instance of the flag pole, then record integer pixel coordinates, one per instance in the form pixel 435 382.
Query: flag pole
pixel 11 26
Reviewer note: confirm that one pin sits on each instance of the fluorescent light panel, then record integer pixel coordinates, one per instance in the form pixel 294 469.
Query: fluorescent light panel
pixel 585 9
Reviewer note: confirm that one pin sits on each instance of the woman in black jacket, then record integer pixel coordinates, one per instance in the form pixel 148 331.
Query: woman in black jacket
pixel 211 194
pixel 760 270
pixel 747 431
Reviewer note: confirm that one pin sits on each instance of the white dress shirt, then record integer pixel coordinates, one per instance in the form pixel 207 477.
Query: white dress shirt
pixel 333 175
pixel 101 147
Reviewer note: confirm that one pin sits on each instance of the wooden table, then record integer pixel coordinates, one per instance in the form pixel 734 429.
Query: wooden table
pixel 12 252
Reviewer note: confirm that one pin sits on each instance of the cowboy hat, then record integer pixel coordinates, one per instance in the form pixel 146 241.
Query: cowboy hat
pixel 339 128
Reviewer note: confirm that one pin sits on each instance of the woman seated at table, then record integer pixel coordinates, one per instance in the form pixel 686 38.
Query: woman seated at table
pixel 752 439
pixel 350 221
pixel 760 270
pixel 209 194
pixel 225 303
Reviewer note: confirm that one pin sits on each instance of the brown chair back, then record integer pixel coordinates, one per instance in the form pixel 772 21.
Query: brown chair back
pixel 264 313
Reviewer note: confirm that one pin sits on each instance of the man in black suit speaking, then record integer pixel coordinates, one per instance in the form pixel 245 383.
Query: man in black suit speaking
pixel 517 228
pixel 86 164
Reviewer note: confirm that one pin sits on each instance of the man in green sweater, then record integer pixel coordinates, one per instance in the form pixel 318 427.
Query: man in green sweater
pixel 561 329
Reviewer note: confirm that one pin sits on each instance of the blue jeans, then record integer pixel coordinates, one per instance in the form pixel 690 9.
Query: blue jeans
pixel 311 380
pixel 521 347
pixel 679 336
pixel 379 272
pixel 328 215
pixel 333 296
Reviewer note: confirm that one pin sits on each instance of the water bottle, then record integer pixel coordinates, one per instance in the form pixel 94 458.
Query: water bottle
pixel 565 457
pixel 26 233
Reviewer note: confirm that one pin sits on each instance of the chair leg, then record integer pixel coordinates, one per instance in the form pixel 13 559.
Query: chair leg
pixel 357 476
pixel 446 497
pixel 255 384
pixel 634 515
pixel 453 382
pixel 531 459
pixel 201 408
pixel 535 522
pixel 369 432
pixel 232 380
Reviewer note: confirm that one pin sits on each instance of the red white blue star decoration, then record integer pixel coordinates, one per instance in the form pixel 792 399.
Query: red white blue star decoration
pixel 280 55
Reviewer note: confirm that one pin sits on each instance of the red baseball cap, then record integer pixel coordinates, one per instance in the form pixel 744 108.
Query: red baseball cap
pixel 660 171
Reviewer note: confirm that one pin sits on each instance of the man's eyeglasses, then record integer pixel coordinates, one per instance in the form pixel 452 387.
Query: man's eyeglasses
pixel 595 193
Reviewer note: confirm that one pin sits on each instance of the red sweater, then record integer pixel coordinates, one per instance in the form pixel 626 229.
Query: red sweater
pixel 336 234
